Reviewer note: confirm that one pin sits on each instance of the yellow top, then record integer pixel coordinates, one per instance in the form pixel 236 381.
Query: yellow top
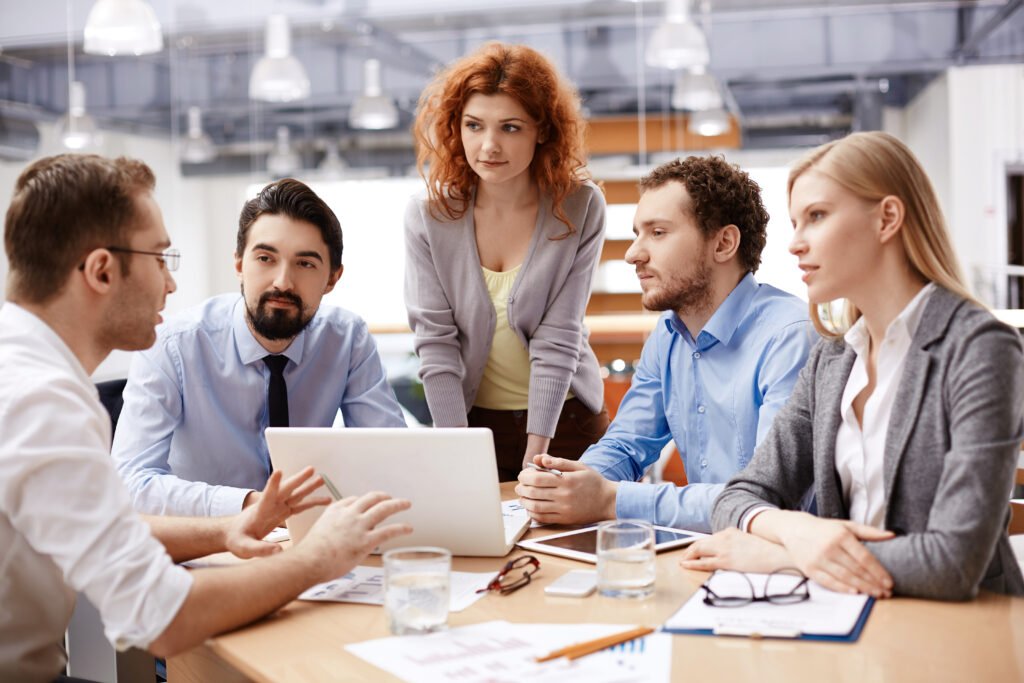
pixel 505 384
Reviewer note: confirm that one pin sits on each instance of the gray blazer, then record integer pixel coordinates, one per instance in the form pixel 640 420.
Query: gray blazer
pixel 950 453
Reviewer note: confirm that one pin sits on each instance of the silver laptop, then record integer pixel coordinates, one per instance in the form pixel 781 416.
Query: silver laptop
pixel 450 475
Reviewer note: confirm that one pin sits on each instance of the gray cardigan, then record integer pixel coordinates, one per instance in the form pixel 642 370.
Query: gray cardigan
pixel 950 453
pixel 453 317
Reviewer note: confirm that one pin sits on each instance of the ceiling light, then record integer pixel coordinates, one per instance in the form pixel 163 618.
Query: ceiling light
pixel 283 160
pixel 372 110
pixel 332 166
pixel 696 90
pixel 278 76
pixel 710 122
pixel 197 147
pixel 118 27
pixel 677 42
pixel 76 130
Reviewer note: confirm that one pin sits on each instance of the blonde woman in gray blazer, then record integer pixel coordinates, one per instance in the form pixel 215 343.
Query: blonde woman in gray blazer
pixel 500 255
pixel 907 425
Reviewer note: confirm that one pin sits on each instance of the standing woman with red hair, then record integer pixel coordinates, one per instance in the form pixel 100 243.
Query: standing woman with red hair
pixel 500 253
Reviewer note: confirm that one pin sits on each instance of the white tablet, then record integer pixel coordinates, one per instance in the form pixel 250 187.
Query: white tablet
pixel 581 544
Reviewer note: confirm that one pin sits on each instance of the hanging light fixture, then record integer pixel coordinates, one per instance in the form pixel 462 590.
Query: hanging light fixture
pixel 332 167
pixel 677 42
pixel 118 27
pixel 696 90
pixel 76 130
pixel 709 122
pixel 283 160
pixel 278 76
pixel 372 110
pixel 197 147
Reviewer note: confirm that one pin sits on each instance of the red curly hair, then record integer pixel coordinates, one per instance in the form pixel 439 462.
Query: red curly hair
pixel 525 75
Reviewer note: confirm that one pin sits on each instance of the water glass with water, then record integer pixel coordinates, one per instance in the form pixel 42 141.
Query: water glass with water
pixel 625 558
pixel 416 589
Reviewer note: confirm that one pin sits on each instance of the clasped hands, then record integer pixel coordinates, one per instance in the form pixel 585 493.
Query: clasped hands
pixel 829 551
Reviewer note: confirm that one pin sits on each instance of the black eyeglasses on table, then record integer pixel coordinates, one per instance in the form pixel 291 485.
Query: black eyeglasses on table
pixel 509 579
pixel 783 587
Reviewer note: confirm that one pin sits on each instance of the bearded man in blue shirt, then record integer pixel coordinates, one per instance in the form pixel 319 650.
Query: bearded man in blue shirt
pixel 189 440
pixel 721 360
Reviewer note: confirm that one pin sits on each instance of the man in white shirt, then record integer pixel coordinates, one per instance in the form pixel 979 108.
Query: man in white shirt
pixel 89 272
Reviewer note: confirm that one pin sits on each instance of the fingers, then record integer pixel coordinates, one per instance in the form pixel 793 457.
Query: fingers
pixel 384 509
pixel 560 464
pixel 305 489
pixel 867 565
pixel 386 533
pixel 704 564
pixel 868 533
pixel 366 501
pixel 289 485
pixel 273 484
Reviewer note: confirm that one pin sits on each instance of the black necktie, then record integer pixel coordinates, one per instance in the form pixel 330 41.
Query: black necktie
pixel 277 392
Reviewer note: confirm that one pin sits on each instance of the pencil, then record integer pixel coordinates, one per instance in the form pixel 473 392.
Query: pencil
pixel 330 487
pixel 577 650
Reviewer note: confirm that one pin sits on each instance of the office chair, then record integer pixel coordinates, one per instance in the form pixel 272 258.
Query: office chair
pixel 112 399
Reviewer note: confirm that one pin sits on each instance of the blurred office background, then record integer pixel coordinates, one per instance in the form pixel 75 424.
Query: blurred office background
pixel 222 97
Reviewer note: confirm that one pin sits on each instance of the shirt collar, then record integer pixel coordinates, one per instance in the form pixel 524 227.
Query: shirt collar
pixel 37 329
pixel 249 349
pixel 725 320
pixel 904 324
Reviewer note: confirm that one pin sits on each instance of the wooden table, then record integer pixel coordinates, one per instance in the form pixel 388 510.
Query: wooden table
pixel 904 639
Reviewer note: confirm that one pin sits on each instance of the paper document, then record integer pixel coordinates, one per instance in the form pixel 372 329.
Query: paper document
pixel 365 585
pixel 513 510
pixel 502 652
pixel 826 613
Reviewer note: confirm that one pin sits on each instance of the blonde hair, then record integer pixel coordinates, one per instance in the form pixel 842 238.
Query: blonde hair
pixel 873 166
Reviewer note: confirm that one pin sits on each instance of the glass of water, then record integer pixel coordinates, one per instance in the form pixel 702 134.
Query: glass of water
pixel 416 589
pixel 625 558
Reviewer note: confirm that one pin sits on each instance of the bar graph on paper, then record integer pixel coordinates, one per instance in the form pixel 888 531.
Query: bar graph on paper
pixel 502 652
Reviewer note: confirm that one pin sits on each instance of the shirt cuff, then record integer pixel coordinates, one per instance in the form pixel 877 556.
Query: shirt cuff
pixel 635 500
pixel 228 500
pixel 749 515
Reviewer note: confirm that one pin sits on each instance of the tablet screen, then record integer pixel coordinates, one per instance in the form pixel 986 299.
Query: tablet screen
pixel 586 540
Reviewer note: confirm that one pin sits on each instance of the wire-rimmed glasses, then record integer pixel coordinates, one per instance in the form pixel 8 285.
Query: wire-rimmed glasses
pixel 735 589
pixel 507 581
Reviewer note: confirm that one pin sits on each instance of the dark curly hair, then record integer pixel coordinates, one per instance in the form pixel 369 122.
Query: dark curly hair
pixel 721 194
pixel 529 77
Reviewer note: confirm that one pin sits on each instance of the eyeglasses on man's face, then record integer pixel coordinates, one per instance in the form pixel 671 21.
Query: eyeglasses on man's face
pixel 514 575
pixel 735 589
pixel 170 258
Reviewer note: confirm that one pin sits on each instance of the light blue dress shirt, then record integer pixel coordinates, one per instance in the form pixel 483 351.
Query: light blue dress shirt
pixel 189 440
pixel 715 396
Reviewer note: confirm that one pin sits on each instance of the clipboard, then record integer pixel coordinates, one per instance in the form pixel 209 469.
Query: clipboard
pixel 826 616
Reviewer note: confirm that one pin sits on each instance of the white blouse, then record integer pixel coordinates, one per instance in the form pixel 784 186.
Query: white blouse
pixel 860 446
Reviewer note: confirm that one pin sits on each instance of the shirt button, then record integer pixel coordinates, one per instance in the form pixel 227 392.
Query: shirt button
pixel 700 409
pixel 696 354
pixel 703 464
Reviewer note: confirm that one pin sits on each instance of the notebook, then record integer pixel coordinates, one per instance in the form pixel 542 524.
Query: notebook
pixel 826 615
pixel 450 475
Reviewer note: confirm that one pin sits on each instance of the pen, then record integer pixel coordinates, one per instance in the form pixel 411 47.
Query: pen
pixel 577 650
pixel 544 469
pixel 330 487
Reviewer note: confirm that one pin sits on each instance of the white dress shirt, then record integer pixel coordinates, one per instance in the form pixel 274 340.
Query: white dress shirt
pixel 860 446
pixel 66 523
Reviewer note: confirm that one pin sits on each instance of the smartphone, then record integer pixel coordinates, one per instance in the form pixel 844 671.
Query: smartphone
pixel 578 583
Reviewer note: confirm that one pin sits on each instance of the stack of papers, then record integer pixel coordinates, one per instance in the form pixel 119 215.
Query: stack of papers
pixel 365 585
pixel 502 652
pixel 826 615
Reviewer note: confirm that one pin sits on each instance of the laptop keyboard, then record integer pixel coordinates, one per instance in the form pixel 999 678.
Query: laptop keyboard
pixel 515 518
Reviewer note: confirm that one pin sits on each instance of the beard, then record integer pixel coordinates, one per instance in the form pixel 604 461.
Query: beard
pixel 682 294
pixel 277 323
